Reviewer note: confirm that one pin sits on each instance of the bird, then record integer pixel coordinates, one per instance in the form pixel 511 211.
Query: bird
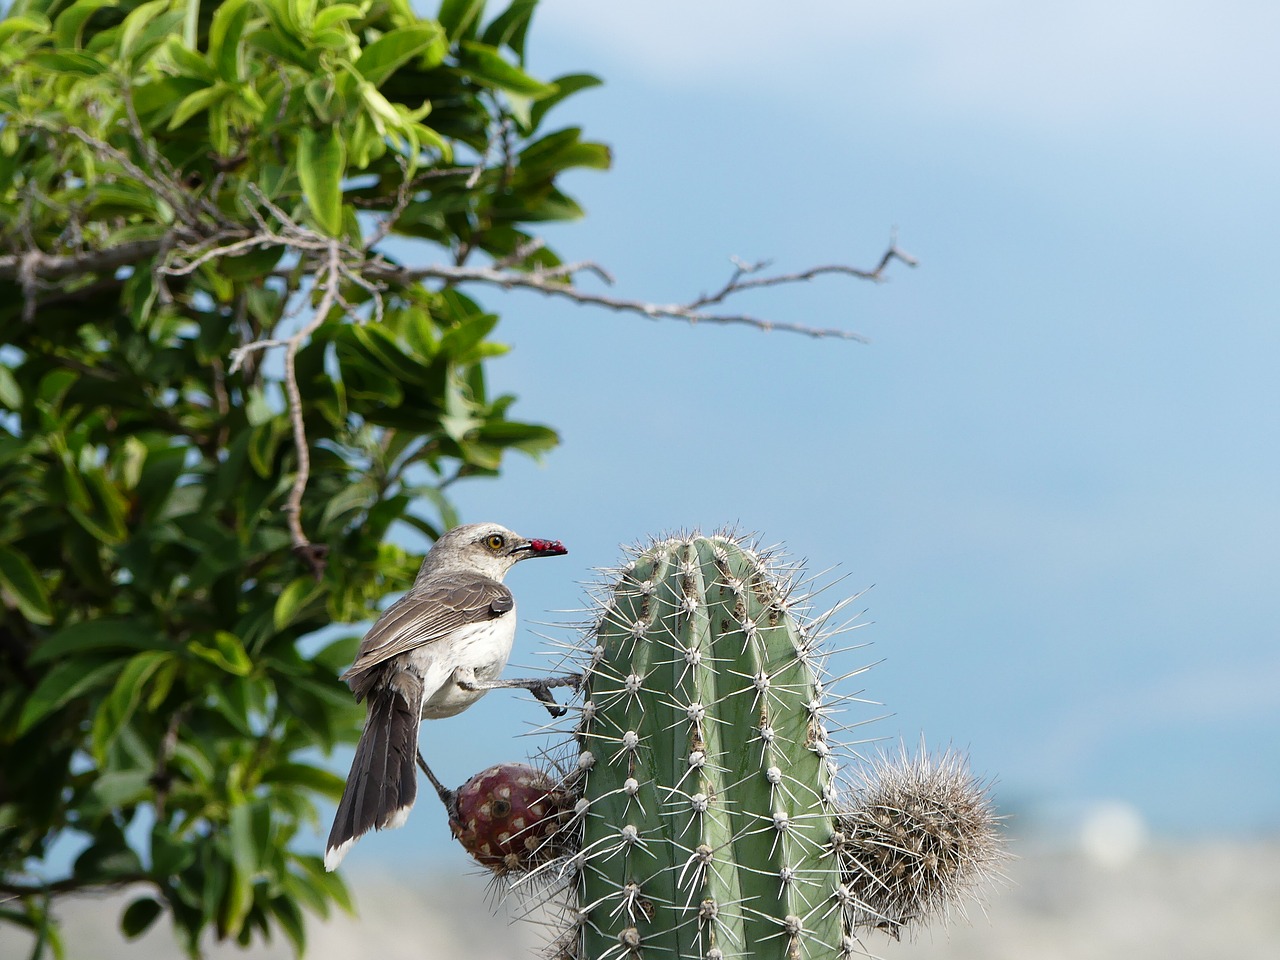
pixel 431 654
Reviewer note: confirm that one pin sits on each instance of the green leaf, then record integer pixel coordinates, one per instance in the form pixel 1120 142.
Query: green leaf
pixel 386 353
pixel 227 652
pixel 197 102
pixel 105 518
pixel 322 781
pixel 21 585
pixel 69 25
pixel 321 165
pixel 459 341
pixel 485 64
pixel 169 854
pixel 162 684
pixel 122 788
pixel 331 883
pixel 136 22
pixel 256 263
pixel 225 31
pixel 244 853
pixel 337 655
pixel 348 504
pixel 244 862
pixel 160 472
pixel 139 916
pixel 109 858
pixel 457 16
pixel 336 13
pixel 510 27
pixel 22 23
pixel 283 47
pixel 70 61
pixel 294 601
pixel 527 437
pixel 562 150
pixel 392 50
pixel 61 685
pixel 92 636
pixel 118 707
pixel 263 443
pixel 188 61
pixel 154 35
pixel 290 919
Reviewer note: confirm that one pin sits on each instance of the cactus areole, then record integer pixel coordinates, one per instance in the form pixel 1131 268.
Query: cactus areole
pixel 704 766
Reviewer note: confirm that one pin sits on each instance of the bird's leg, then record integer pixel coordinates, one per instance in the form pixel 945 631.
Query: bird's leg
pixel 540 687
pixel 447 797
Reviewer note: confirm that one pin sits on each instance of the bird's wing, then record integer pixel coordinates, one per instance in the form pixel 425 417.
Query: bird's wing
pixel 429 614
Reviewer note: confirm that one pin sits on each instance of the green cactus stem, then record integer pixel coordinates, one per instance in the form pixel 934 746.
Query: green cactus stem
pixel 705 764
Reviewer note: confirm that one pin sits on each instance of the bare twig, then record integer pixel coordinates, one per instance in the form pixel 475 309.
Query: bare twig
pixel 375 272
pixel 167 191
pixel 70 884
pixel 554 281
pixel 500 135
pixel 162 779
pixel 47 267
pixel 404 195
pixel 520 253
pixel 737 283
pixel 328 280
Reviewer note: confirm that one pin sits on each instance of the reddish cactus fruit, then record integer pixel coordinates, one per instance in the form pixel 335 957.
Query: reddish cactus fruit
pixel 507 817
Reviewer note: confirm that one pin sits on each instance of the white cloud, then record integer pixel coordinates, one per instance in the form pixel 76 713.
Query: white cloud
pixel 1049 66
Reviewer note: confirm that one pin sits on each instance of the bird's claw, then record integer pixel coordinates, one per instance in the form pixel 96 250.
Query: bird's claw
pixel 543 692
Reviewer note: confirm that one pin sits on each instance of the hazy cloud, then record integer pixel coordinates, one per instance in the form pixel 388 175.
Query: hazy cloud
pixel 1054 67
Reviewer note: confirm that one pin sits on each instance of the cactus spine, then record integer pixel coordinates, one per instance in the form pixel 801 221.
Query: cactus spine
pixel 704 765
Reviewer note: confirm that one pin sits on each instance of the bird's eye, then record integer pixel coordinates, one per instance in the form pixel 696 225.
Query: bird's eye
pixel 495 541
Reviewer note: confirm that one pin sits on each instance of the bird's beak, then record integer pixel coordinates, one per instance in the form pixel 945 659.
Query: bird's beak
pixel 541 548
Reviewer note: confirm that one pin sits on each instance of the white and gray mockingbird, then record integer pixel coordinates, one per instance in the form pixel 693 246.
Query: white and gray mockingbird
pixel 433 653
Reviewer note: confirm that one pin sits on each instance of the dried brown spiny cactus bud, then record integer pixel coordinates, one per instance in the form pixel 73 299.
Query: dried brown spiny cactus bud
pixel 920 835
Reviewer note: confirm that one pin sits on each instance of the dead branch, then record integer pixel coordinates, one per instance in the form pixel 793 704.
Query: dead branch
pixel 556 282
pixel 327 280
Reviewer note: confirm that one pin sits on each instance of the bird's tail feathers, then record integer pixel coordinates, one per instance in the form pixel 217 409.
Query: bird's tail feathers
pixel 383 782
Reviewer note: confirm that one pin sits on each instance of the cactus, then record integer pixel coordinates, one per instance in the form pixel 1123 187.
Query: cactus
pixel 708 821
pixel 704 759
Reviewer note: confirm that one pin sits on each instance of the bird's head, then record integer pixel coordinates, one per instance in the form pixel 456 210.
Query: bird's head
pixel 489 549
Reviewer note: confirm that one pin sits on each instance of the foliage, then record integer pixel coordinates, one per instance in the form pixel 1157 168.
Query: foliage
pixel 220 398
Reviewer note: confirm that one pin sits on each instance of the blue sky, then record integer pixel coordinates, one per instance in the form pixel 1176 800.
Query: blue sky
pixel 1056 461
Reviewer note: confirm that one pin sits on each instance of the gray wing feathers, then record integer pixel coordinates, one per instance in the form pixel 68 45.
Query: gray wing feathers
pixel 429 614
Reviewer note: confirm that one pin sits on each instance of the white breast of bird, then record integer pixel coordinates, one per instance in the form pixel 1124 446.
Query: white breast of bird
pixel 479 649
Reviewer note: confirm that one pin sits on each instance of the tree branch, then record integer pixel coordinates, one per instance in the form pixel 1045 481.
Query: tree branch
pixel 38 265
pixel 70 885
pixel 555 281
